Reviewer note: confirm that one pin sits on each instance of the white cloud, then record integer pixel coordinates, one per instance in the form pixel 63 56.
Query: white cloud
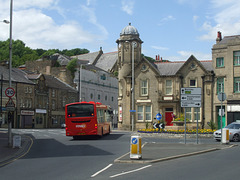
pixel 127 6
pixel 195 18
pixel 38 30
pixel 226 19
pixel 160 48
pixel 184 55
pixel 166 19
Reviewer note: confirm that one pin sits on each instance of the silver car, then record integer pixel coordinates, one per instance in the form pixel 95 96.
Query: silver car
pixel 234 132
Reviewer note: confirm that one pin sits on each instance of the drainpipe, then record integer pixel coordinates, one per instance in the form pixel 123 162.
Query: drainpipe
pixel 203 104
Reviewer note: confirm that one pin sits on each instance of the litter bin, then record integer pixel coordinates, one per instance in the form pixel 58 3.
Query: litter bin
pixel 17 139
pixel 225 135
pixel 136 147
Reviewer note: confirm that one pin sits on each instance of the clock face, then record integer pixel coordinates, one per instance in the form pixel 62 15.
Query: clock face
pixel 134 43
pixel 144 67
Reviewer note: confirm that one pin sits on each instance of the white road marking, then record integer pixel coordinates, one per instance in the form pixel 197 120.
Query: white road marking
pixel 130 171
pixel 101 170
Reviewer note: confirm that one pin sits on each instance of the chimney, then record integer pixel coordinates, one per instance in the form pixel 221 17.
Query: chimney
pixel 158 57
pixel 219 37
pixel 161 59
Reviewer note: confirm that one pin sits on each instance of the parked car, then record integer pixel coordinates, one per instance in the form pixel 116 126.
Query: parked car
pixel 63 125
pixel 234 132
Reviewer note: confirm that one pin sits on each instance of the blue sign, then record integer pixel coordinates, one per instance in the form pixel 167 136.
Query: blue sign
pixel 158 116
pixel 134 140
pixel 132 110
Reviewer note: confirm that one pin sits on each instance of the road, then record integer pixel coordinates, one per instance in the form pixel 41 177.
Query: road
pixel 55 156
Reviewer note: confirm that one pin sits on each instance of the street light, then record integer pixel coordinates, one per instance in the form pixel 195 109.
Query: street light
pixel 134 44
pixel 80 81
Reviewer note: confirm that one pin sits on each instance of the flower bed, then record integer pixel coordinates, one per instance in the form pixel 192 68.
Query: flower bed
pixel 200 131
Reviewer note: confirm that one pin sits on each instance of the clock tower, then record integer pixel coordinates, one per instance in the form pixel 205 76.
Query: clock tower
pixel 129 55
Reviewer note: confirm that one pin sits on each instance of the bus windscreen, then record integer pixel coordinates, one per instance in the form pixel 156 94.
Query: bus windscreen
pixel 80 110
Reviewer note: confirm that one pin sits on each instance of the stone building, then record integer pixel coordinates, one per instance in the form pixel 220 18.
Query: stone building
pixel 157 86
pixel 226 63
pixel 39 99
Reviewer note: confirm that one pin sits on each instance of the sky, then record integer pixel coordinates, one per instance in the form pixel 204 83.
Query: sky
pixel 173 29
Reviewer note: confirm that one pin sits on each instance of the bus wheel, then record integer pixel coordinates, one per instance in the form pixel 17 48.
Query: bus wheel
pixel 75 137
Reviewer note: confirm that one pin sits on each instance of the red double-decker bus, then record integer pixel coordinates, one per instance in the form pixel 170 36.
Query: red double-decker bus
pixel 87 118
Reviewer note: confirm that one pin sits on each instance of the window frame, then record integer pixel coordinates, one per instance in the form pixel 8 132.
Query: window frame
pixel 220 89
pixel 236 58
pixel 167 87
pixel 220 62
pixel 144 87
pixel 236 84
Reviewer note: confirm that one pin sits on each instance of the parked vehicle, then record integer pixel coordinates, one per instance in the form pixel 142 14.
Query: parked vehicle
pixel 234 132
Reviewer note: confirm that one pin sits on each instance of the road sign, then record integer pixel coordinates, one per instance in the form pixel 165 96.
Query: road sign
pixel 10 92
pixel 191 91
pixel 10 103
pixel 132 110
pixel 191 97
pixel 158 116
pixel 190 104
pixel 222 96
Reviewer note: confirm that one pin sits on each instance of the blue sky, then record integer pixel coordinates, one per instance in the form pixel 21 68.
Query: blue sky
pixel 174 29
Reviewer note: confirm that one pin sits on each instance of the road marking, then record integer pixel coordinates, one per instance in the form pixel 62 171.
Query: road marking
pixel 101 170
pixel 130 171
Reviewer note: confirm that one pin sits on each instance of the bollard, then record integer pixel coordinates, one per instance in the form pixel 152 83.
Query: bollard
pixel 225 136
pixel 136 147
pixel 17 141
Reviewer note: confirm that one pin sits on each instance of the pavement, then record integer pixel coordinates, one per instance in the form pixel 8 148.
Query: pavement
pixel 11 154
pixel 152 152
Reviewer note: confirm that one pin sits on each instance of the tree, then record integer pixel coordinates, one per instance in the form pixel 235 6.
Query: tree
pixel 72 66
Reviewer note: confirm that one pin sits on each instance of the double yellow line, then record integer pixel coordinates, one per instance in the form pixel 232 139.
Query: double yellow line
pixel 12 160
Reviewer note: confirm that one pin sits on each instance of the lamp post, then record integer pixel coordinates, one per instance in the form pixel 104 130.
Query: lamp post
pixel 134 44
pixel 10 72
pixel 80 82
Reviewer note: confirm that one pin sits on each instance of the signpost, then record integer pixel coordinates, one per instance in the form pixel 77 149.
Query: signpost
pixel 191 97
pixel 221 97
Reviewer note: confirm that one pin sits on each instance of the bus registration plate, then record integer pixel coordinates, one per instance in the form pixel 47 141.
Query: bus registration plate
pixel 81 126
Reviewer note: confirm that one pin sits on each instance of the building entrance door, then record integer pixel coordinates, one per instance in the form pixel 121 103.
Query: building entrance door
pixel 168 118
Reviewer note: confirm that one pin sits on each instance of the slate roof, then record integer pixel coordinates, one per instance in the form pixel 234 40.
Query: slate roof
pixel 54 82
pixel 229 39
pixel 87 57
pixel 171 68
pixel 17 75
pixel 107 61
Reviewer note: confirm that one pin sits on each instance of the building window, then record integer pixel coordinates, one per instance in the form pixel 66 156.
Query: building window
pixel 91 95
pixel 99 97
pixel 220 62
pixel 112 98
pixel 148 113
pixel 193 83
pixel 188 113
pixel 105 98
pixel 236 58
pixel 196 114
pixel 144 87
pixel 144 113
pixel 53 104
pixel 237 84
pixel 169 87
pixel 53 93
pixel 220 85
pixel 64 101
pixel 140 113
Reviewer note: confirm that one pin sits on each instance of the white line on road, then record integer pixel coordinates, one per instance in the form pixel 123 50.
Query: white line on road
pixel 101 170
pixel 130 171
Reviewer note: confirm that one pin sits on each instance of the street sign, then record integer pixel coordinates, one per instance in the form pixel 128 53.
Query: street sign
pixel 222 96
pixel 10 92
pixel 132 110
pixel 191 97
pixel 10 103
pixel 191 104
pixel 158 116
pixel 191 91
